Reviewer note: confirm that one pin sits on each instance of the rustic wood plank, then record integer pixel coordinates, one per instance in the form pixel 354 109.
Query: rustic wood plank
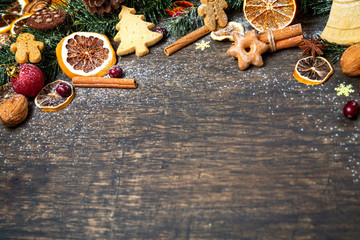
pixel 201 150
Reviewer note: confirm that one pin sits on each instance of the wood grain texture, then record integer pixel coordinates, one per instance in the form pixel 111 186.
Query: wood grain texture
pixel 200 150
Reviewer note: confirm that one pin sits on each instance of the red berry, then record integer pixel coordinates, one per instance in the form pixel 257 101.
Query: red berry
pixel 351 109
pixel 115 72
pixel 63 89
pixel 29 81
pixel 162 31
pixel 177 14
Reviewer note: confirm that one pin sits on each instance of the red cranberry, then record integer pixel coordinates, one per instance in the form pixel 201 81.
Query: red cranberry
pixel 115 72
pixel 63 89
pixel 351 109
pixel 162 31
pixel 177 14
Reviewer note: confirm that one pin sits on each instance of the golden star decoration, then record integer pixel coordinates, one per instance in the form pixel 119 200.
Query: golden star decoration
pixel 247 49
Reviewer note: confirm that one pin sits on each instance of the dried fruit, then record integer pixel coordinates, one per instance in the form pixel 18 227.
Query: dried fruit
pixel 19 24
pixel 85 54
pixel 313 71
pixel 227 32
pixel 6 91
pixel 28 81
pixel 350 61
pixel 178 7
pixel 13 110
pixel 351 109
pixel 10 14
pixel 269 14
pixel 49 99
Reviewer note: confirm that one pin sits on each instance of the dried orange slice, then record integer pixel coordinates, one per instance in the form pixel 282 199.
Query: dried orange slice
pixel 227 32
pixel 11 14
pixel 19 24
pixel 55 3
pixel 48 99
pixel 313 71
pixel 85 54
pixel 269 14
pixel 6 92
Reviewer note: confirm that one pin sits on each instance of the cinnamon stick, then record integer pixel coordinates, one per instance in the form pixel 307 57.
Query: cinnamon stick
pixel 281 34
pixel 80 81
pixel 186 40
pixel 288 43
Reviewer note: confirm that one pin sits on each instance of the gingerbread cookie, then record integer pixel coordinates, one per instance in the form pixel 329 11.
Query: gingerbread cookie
pixel 27 48
pixel 213 12
pixel 247 49
pixel 134 33
pixel 46 19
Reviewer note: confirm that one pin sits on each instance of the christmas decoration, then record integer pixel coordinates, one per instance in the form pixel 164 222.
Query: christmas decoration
pixel 102 6
pixel 134 41
pixel 343 25
pixel 312 47
pixel 345 90
pixel 202 45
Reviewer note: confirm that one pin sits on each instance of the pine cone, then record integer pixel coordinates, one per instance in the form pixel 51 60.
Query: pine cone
pixel 101 6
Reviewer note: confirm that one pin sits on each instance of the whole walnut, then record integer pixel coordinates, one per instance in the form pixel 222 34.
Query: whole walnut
pixel 14 110
pixel 350 61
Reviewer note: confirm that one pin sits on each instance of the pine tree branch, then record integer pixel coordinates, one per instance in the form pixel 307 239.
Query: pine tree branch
pixel 7 59
pixel 4 4
pixel 82 20
pixel 185 23
pixel 151 9
pixel 333 51
pixel 315 7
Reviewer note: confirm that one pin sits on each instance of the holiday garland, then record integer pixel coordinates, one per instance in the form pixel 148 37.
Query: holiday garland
pixel 153 10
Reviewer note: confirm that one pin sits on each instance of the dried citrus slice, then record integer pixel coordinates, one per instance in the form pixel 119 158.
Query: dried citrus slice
pixel 269 14
pixel 48 99
pixel 313 71
pixel 85 54
pixel 18 25
pixel 227 32
pixel 11 14
pixel 6 92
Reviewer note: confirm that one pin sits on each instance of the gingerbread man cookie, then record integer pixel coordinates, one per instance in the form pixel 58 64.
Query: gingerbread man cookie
pixel 248 49
pixel 213 12
pixel 27 48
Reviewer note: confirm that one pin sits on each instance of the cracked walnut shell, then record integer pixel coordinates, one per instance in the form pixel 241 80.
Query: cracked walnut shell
pixel 14 110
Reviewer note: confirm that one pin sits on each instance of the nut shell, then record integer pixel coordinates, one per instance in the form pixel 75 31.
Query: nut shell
pixel 350 61
pixel 14 110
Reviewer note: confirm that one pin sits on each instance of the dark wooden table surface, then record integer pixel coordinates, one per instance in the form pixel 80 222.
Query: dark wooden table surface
pixel 201 150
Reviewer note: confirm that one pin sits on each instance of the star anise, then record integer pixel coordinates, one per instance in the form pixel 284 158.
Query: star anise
pixel 312 46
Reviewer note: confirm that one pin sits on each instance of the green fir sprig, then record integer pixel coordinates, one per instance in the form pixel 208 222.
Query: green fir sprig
pixel 185 23
pixel 5 4
pixel 82 20
pixel 152 10
pixel 7 59
pixel 49 64
pixel 315 7
pixel 333 51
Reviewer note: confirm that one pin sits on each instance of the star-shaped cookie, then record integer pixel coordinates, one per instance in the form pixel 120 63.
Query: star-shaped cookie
pixel 247 49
